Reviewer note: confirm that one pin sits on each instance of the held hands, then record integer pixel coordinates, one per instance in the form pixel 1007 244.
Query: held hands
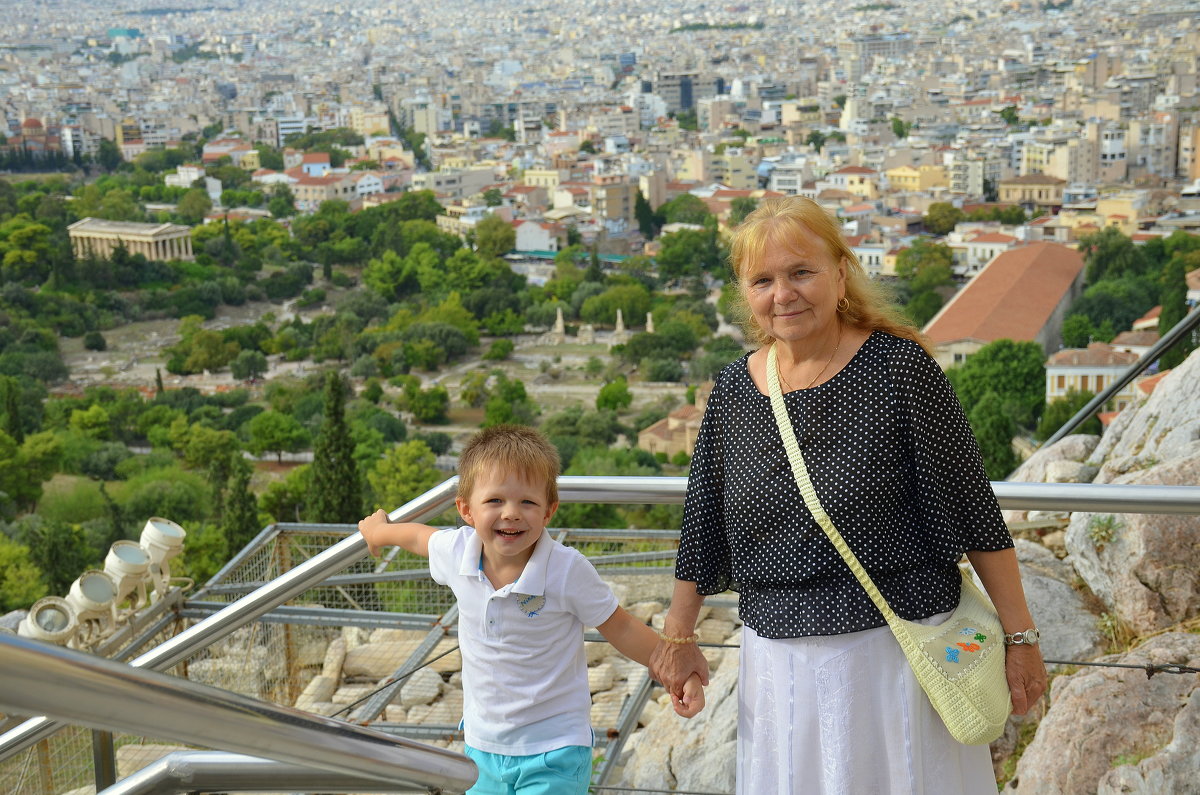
pixel 692 702
pixel 1026 676
pixel 372 529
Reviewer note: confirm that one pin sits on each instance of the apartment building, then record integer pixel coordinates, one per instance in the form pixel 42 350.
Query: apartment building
pixel 1090 369
pixel 1033 192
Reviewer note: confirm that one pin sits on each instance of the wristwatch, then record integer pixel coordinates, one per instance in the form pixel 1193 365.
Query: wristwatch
pixel 1028 637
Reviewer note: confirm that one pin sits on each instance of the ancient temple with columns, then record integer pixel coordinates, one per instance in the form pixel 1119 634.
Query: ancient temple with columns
pixel 99 238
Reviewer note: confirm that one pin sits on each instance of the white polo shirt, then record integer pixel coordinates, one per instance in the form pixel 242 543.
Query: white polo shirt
pixel 525 688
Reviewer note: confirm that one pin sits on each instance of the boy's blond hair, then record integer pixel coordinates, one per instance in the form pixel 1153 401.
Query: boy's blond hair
pixel 515 447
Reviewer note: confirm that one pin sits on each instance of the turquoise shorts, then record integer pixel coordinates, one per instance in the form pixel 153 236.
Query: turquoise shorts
pixel 563 771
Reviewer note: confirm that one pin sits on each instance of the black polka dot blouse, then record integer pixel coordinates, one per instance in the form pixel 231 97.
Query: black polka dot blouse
pixel 895 466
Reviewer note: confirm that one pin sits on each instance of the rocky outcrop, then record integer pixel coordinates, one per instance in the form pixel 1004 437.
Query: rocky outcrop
pixel 1103 720
pixel 1069 629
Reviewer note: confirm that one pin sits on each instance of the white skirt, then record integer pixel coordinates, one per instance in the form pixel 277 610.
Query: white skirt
pixel 827 715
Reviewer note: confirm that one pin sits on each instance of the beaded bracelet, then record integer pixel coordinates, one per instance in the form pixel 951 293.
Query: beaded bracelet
pixel 678 641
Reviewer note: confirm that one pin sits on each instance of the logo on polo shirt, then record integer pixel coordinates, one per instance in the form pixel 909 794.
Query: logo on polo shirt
pixel 531 604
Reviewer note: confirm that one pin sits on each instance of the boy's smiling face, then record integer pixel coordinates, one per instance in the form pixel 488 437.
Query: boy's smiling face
pixel 509 512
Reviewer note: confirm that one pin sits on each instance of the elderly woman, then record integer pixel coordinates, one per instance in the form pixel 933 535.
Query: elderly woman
pixel 827 701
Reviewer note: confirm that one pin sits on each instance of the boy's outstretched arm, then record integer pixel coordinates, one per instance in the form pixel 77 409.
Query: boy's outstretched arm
pixel 410 536
pixel 636 641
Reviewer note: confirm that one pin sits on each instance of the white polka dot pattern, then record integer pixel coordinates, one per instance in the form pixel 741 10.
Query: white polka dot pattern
pixel 895 466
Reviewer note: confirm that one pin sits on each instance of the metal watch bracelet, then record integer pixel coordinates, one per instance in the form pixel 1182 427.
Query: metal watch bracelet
pixel 1028 637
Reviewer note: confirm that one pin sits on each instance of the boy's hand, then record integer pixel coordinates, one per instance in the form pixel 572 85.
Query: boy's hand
pixel 693 698
pixel 371 528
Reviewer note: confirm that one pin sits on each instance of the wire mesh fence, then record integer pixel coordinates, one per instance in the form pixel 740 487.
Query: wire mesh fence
pixel 335 649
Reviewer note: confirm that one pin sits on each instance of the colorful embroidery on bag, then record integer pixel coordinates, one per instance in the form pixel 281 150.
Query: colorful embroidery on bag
pixel 951 654
pixel 979 636
pixel 967 631
pixel 968 646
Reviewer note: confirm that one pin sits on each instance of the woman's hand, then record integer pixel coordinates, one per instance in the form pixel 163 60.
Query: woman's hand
pixel 673 663
pixel 1026 676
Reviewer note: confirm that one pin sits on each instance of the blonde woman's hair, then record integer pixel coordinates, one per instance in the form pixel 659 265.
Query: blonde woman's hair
pixel 780 221
pixel 509 447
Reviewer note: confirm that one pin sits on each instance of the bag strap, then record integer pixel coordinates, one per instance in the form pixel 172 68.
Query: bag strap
pixel 809 492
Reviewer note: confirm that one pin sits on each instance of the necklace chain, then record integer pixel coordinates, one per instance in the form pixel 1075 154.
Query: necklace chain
pixel 823 368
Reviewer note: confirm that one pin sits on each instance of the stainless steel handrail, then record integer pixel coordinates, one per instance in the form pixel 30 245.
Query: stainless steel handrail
pixel 219 625
pixel 608 489
pixel 185 772
pixel 103 694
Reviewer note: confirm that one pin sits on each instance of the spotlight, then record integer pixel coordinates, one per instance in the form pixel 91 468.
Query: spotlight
pixel 163 540
pixel 128 565
pixel 51 619
pixel 92 597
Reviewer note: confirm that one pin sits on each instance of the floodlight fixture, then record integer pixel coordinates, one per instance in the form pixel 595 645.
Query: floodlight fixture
pixel 92 596
pixel 129 566
pixel 51 619
pixel 162 540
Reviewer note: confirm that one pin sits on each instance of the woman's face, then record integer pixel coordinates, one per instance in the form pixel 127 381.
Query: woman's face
pixel 793 292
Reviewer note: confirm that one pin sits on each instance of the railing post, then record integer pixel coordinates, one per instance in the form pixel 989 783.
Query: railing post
pixel 104 759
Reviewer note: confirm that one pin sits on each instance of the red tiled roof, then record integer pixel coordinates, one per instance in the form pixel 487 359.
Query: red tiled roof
pixel 992 237
pixel 1012 298
pixel 1150 383
pixel 1096 354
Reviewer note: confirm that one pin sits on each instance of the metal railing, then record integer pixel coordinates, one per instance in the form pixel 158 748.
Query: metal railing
pixel 270 597
pixel 91 691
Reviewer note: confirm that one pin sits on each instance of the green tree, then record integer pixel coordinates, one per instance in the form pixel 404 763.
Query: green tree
pixel 900 127
pixel 942 217
pixel 1014 371
pixel 1010 116
pixel 494 237
pixel 994 430
pixel 1109 254
pixel 1059 411
pixel 1077 331
pixel 337 487
pixel 282 203
pixel 109 155
pixel 406 471
pixel 275 432
pixel 248 365
pixel 740 207
pixel 685 209
pixel 429 406
pixel 816 139
pixel 509 404
pixel 492 197
pixel 1174 309
pixel 614 395
pixel 21 582
pixel 645 216
pixel 193 206
pixel 59 549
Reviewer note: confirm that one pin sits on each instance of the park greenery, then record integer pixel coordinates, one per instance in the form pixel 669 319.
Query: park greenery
pixel 396 300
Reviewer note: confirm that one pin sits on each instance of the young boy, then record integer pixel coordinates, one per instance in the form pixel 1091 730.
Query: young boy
pixel 523 601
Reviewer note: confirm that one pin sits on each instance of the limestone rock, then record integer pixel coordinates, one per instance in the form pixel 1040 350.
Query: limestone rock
pixel 348 694
pixel 421 688
pixel 1074 448
pixel 1070 472
pixel 449 664
pixel 672 753
pixel 601 677
pixel 1173 769
pixel 1163 427
pixel 375 660
pixel 1144 567
pixel 1069 630
pixel 646 611
pixel 394 713
pixel 714 630
pixel 442 713
pixel 335 655
pixel 1101 715
pixel 321 688
pixel 606 707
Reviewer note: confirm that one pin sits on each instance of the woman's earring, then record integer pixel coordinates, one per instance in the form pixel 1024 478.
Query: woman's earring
pixel 843 304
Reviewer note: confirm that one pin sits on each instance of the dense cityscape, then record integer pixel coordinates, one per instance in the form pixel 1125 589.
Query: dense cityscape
pixel 275 262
